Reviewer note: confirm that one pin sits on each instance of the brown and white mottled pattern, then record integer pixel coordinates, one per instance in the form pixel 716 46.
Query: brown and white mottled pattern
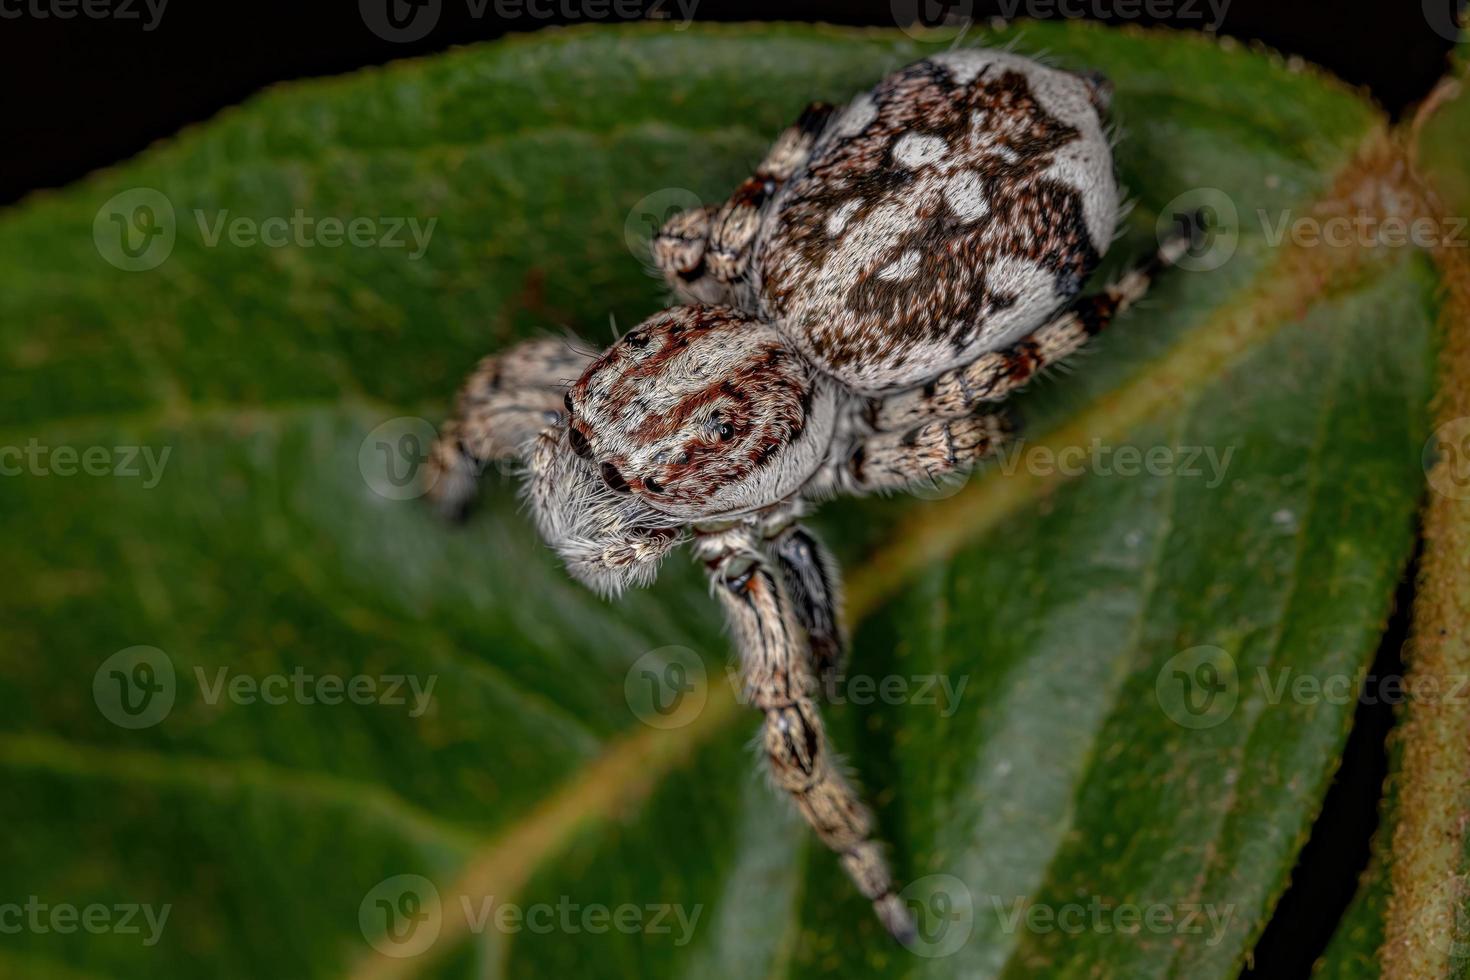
pixel 781 682
pixel 703 412
pixel 946 213
pixel 508 400
pixel 886 270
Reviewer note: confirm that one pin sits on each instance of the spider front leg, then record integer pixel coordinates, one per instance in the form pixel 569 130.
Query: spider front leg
pixel 704 251
pixel 508 400
pixel 810 575
pixel 896 461
pixel 995 376
pixel 780 683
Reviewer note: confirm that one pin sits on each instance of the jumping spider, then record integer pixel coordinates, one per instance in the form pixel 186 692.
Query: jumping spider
pixel 890 267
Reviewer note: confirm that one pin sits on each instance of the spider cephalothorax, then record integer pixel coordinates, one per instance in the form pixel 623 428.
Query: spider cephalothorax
pixel 889 270
pixel 700 410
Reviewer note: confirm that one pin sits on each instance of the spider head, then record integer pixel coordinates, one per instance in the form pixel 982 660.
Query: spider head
pixel 701 412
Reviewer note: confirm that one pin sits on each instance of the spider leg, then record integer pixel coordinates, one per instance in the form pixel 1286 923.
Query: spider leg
pixel 703 251
pixel 810 575
pixel 508 400
pixel 895 461
pixel 995 376
pixel 779 682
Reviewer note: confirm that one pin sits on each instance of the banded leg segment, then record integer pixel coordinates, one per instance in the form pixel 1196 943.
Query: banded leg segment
pixel 702 251
pixel 507 401
pixel 995 376
pixel 810 575
pixel 894 461
pixel 779 682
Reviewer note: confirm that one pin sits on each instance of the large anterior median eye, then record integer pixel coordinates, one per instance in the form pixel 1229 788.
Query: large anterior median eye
pixel 579 443
pixel 613 478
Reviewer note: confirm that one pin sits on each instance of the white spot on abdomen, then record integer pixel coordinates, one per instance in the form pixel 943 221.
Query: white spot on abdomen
pixel 904 268
pixel 856 117
pixel 965 195
pixel 837 220
pixel 914 150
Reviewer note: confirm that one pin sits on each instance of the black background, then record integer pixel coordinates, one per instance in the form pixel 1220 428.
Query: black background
pixel 82 93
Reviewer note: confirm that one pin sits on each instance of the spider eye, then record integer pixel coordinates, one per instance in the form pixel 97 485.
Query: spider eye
pixel 567 401
pixel 723 429
pixel 579 443
pixel 613 478
pixel 653 486
pixel 636 339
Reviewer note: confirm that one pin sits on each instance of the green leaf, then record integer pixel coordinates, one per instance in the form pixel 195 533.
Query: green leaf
pixel 1065 778
pixel 1410 916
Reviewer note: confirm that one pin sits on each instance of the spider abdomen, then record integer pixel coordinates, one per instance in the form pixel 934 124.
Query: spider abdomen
pixel 945 213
